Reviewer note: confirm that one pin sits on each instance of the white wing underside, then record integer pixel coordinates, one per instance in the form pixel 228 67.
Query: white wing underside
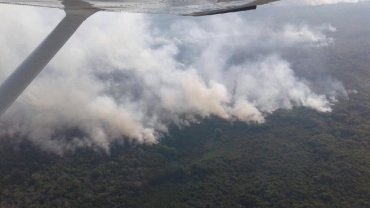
pixel 175 7
pixel 79 10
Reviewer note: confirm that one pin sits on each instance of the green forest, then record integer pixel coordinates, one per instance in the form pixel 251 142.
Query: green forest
pixel 297 158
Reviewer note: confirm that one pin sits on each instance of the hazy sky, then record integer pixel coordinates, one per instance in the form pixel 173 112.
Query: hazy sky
pixel 126 77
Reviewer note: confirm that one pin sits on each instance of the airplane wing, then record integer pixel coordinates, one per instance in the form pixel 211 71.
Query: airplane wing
pixel 78 11
pixel 175 7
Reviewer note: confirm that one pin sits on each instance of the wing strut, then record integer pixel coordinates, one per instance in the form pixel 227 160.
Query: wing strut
pixel 18 81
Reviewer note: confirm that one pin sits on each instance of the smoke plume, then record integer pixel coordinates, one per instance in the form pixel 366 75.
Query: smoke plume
pixel 319 2
pixel 126 77
pixel 316 2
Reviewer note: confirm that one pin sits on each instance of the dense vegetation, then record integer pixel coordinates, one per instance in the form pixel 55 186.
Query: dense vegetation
pixel 298 158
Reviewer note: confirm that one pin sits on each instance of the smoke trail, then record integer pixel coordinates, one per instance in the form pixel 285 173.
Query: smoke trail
pixel 319 2
pixel 126 77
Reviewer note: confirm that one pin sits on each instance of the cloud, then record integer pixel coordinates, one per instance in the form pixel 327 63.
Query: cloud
pixel 126 77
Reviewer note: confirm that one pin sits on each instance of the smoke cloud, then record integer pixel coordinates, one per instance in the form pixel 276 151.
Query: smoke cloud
pixel 126 77
pixel 319 2
pixel 316 2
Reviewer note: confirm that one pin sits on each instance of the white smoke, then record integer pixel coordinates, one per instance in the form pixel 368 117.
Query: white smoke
pixel 123 77
pixel 315 2
pixel 320 2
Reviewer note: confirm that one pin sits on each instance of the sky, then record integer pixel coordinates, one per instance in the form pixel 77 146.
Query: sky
pixel 126 77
